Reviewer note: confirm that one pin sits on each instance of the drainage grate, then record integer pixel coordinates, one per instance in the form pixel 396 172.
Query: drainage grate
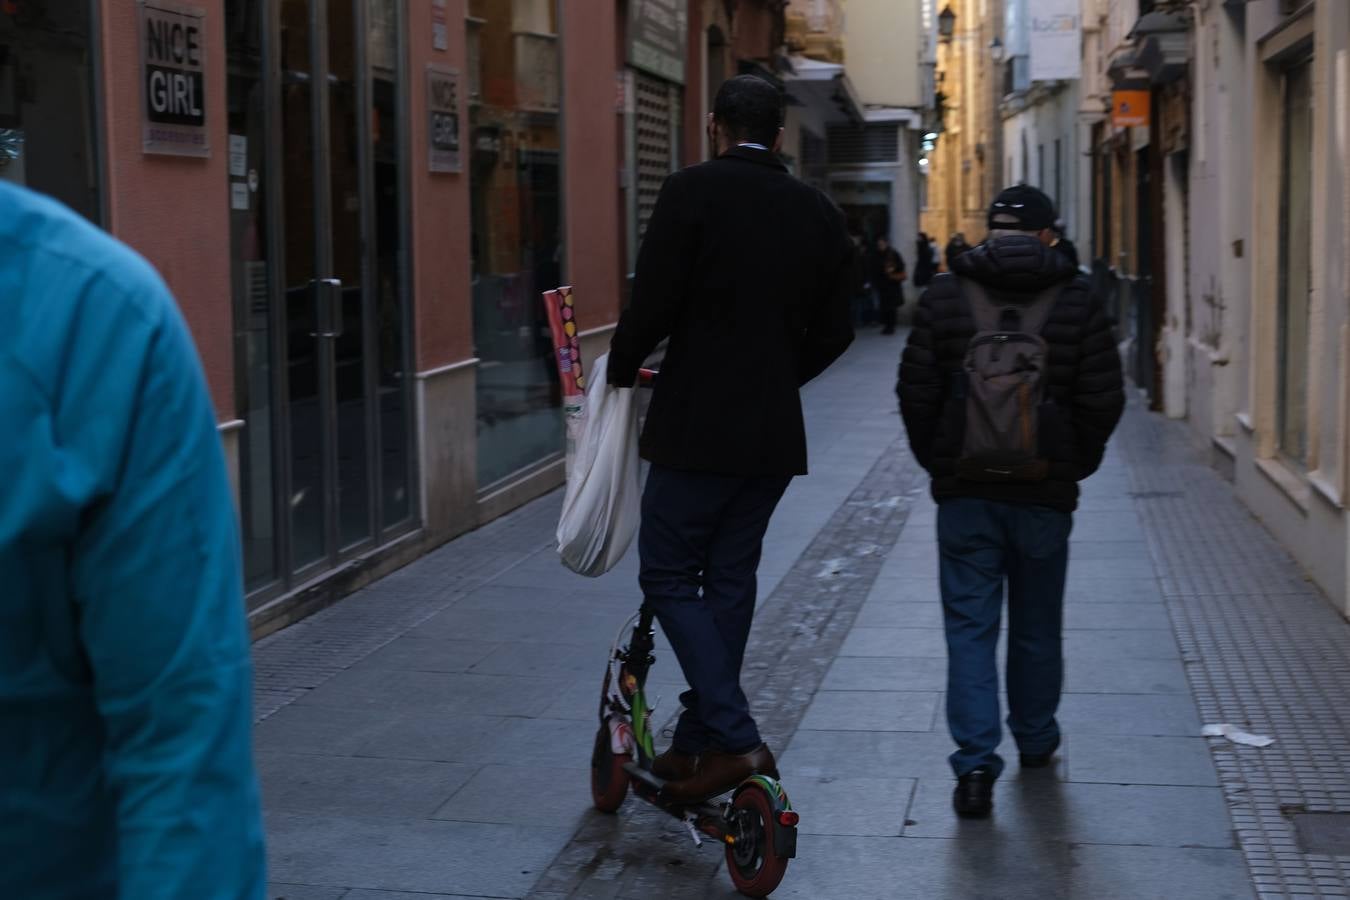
pixel 1325 833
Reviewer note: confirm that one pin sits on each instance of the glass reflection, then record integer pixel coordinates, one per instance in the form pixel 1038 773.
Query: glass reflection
pixel 516 229
pixel 46 134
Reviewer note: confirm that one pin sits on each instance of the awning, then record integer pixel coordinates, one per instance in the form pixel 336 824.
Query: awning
pixel 823 86
pixel 1162 45
pixel 1124 69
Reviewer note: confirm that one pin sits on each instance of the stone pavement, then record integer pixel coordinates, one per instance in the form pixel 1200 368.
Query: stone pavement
pixel 430 735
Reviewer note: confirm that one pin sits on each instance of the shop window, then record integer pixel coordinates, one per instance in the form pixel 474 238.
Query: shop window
pixel 1295 271
pixel 46 102
pixel 516 232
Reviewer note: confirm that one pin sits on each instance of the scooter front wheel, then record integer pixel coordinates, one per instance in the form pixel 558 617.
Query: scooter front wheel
pixel 609 779
pixel 755 863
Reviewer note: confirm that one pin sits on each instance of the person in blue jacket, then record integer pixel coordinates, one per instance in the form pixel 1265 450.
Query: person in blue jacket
pixel 126 765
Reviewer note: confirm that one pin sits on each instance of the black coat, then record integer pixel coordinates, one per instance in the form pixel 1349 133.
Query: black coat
pixel 1065 246
pixel 887 287
pixel 924 264
pixel 750 273
pixel 953 252
pixel 1084 377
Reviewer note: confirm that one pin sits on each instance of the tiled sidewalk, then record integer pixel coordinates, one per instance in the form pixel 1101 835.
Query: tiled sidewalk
pixel 432 733
pixel 1263 651
pixel 429 736
pixel 1132 808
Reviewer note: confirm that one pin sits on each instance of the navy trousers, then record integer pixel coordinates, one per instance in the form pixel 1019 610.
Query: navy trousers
pixel 699 549
pixel 982 545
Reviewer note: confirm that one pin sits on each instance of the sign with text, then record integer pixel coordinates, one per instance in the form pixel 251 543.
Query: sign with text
pixel 1056 40
pixel 173 79
pixel 443 119
pixel 658 34
pixel 1129 109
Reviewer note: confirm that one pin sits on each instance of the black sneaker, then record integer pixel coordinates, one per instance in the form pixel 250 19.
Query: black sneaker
pixel 1038 760
pixel 974 794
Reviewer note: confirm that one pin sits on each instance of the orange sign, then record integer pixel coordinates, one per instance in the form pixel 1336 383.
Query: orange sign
pixel 1129 108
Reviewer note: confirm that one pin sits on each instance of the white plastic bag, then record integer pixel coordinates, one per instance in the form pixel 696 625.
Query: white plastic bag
pixel 602 506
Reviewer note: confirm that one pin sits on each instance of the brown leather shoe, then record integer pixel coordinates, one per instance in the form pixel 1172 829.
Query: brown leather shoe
pixel 674 765
pixel 720 772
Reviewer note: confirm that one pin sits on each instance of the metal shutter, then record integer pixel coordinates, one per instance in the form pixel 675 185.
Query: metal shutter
pixel 875 142
pixel 657 126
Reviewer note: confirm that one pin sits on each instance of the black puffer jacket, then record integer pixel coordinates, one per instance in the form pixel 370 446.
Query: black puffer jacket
pixel 1084 378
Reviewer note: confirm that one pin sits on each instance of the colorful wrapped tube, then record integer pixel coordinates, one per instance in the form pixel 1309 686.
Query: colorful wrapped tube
pixel 562 324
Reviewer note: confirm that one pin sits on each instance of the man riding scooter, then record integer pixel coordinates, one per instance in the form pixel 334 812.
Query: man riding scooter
pixel 749 273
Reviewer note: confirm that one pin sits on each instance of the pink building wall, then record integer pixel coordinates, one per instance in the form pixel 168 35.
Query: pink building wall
pixel 695 74
pixel 592 138
pixel 174 210
pixel 442 306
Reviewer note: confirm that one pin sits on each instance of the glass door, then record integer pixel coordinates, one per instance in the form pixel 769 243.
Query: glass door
pixel 324 197
pixel 338 434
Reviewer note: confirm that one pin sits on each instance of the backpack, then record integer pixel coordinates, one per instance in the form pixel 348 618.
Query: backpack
pixel 1005 371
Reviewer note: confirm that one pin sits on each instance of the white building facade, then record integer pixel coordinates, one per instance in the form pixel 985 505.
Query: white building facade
pixel 1230 211
pixel 1044 132
pixel 857 100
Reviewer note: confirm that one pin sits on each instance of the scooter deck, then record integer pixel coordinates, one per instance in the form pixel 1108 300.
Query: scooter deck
pixel 655 783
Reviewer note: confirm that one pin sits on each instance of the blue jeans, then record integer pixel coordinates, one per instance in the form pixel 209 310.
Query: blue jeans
pixel 983 543
pixel 699 549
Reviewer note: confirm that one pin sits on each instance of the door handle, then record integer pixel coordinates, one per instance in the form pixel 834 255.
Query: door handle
pixel 327 307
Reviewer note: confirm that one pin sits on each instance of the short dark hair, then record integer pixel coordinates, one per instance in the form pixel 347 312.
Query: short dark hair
pixel 749 109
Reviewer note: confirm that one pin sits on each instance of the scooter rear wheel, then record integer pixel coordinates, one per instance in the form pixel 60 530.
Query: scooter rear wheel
pixel 754 863
pixel 609 780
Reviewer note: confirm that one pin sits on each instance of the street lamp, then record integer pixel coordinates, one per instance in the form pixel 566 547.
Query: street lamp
pixel 946 25
pixel 996 50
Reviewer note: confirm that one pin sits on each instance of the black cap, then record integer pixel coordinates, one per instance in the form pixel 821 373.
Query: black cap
pixel 1022 208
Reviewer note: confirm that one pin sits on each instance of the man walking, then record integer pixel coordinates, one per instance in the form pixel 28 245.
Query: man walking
pixel 888 274
pixel 749 272
pixel 1010 386
pixel 126 760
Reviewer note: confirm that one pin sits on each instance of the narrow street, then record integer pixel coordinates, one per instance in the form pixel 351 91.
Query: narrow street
pixel 300 294
pixel 430 735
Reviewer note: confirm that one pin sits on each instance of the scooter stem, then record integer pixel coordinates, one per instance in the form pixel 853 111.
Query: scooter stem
pixel 640 657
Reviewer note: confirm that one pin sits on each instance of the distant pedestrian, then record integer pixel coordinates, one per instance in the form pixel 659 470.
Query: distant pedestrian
pixel 888 276
pixel 864 304
pixel 925 261
pixel 1010 386
pixel 1063 244
pixel 749 272
pixel 126 759
pixel 955 247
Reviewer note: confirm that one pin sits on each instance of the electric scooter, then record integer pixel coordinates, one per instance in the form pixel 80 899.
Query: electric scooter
pixel 757 824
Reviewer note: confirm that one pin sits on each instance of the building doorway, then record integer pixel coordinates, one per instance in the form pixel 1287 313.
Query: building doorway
pixel 317 231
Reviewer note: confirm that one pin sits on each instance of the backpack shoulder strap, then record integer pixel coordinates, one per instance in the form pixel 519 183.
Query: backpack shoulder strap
pixel 1036 313
pixel 982 309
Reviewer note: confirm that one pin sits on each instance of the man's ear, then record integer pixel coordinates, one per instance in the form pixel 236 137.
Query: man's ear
pixel 777 141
